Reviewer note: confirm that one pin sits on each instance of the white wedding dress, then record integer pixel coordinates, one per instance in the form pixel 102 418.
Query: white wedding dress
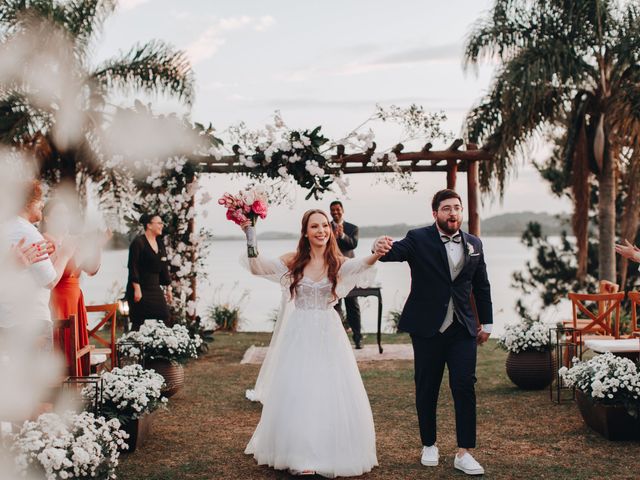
pixel 316 413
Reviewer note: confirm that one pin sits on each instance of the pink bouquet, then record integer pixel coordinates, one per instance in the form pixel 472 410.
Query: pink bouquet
pixel 245 207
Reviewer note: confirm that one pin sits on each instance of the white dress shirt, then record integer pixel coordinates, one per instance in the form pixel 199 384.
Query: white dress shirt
pixel 27 295
pixel 455 251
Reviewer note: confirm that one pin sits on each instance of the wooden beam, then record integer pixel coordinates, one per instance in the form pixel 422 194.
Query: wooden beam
pixel 473 195
pixel 380 168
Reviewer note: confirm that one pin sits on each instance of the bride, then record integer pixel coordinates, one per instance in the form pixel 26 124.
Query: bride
pixel 316 417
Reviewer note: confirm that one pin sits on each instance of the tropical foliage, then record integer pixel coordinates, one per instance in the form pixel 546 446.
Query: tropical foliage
pixel 568 65
pixel 55 100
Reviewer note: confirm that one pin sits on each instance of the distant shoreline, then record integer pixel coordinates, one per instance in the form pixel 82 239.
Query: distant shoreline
pixel 510 225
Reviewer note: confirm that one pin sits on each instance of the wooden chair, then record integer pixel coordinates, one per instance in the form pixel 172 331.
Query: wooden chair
pixel 604 286
pixel 634 298
pixel 604 322
pixel 108 344
pixel 70 325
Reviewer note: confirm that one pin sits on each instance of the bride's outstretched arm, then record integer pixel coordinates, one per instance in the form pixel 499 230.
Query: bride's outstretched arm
pixel 270 268
pixel 381 249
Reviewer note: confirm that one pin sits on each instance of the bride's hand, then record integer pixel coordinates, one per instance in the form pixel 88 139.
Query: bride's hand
pixel 245 225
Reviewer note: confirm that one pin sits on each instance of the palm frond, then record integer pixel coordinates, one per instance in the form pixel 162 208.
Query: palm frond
pixel 528 94
pixel 85 18
pixel 19 120
pixel 154 68
pixel 16 15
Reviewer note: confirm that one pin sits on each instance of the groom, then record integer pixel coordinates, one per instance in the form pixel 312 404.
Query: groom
pixel 447 267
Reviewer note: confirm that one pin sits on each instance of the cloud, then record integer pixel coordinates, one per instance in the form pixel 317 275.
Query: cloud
pixel 209 42
pixel 451 51
pixel 265 23
pixel 389 61
pixel 347 103
pixel 126 5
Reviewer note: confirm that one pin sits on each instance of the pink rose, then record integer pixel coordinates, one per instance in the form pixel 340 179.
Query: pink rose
pixel 239 217
pixel 259 207
pixel 227 200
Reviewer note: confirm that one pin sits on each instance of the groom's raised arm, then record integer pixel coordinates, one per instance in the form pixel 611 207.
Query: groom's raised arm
pixel 401 251
pixel 482 291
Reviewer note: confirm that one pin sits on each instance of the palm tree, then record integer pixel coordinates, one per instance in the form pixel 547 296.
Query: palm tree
pixel 570 64
pixel 55 100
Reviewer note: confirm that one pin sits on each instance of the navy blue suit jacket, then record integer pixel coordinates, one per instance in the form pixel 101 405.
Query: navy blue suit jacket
pixel 432 286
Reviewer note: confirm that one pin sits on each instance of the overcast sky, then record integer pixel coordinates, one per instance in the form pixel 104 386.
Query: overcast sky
pixel 326 63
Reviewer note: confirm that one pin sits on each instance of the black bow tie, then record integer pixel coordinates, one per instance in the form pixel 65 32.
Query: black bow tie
pixel 455 239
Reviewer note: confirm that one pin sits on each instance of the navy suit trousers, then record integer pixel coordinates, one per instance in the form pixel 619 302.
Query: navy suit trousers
pixel 456 349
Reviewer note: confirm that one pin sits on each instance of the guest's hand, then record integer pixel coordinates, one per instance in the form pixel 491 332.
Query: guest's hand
pixel 629 251
pixel 69 246
pixel 137 293
pixel 482 336
pixel 339 230
pixel 104 237
pixel 30 254
pixel 50 247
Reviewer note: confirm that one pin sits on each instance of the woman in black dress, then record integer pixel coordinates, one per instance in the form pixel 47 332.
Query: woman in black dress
pixel 148 270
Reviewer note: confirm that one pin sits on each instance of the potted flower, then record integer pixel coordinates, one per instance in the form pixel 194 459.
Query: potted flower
pixel 130 394
pixel 164 349
pixel 74 445
pixel 529 363
pixel 607 394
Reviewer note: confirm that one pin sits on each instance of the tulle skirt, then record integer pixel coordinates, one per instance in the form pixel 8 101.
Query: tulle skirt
pixel 316 413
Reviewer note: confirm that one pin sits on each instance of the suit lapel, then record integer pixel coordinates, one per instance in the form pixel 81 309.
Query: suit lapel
pixel 465 242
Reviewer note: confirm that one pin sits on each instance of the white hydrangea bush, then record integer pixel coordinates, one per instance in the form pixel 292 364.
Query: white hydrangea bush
pixel 72 445
pixel 159 342
pixel 129 392
pixel 524 337
pixel 606 378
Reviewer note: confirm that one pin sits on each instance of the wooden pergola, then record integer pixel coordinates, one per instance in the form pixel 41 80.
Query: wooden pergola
pixel 452 160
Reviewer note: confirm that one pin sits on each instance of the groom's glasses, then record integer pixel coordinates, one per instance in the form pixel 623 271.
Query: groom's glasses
pixel 449 209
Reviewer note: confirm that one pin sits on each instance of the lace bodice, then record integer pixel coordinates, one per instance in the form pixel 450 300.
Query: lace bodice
pixel 312 295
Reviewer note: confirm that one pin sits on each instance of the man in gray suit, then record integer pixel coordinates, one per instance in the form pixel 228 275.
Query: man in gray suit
pixel 347 237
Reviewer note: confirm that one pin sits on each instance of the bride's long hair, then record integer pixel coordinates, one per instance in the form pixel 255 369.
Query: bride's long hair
pixel 332 255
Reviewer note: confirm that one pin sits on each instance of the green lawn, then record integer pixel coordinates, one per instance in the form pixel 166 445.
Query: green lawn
pixel 520 434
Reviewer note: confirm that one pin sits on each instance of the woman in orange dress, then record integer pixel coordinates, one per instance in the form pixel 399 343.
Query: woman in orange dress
pixel 66 297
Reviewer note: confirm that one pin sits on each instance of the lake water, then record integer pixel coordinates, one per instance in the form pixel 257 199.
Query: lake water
pixel 228 281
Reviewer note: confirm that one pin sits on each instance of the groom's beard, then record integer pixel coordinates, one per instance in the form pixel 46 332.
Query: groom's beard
pixel 448 227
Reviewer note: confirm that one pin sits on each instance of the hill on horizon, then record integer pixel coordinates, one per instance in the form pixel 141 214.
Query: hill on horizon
pixel 503 225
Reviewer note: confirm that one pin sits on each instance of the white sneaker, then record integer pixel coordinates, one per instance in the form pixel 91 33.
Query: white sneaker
pixel 468 464
pixel 429 456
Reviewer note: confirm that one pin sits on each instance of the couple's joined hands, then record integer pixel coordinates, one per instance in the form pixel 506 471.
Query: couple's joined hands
pixel 382 245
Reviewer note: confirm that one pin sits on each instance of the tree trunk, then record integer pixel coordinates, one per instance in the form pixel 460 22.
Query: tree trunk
pixel 607 218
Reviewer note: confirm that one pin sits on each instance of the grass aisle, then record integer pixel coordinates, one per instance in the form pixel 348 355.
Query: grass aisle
pixel 520 434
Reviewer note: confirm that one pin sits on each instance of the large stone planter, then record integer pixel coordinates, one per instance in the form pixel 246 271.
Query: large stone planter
pixel 139 431
pixel 172 372
pixel 613 422
pixel 531 370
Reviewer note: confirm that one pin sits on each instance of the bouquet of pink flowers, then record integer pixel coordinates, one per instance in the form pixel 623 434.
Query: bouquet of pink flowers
pixel 245 207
